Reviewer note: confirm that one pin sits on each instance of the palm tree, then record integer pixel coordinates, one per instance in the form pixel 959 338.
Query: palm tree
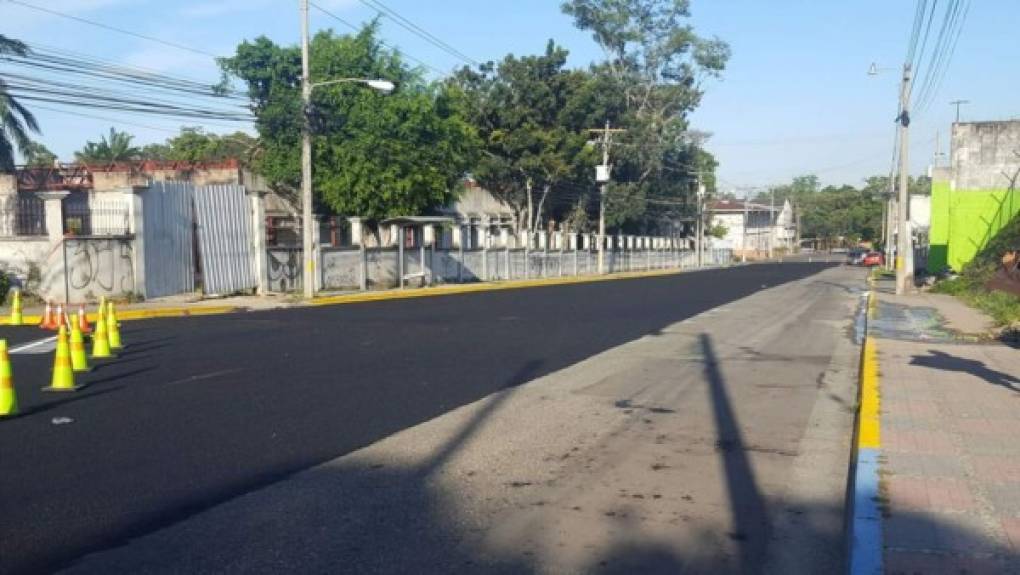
pixel 116 148
pixel 15 120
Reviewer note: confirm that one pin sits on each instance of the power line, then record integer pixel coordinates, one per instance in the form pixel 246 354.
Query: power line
pixel 418 30
pixel 358 29
pixel 113 28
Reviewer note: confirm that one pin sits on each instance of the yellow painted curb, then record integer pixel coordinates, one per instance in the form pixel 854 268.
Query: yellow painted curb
pixel 870 421
pixel 135 314
pixel 394 294
pixel 452 289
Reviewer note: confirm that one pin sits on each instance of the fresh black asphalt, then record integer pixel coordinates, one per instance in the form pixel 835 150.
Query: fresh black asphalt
pixel 200 410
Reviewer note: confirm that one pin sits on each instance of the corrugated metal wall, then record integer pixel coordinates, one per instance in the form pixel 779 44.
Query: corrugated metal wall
pixel 224 239
pixel 169 245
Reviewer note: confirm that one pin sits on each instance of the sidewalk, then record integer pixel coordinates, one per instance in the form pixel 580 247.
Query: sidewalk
pixel 950 438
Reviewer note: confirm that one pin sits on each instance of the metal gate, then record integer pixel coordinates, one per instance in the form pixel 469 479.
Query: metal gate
pixel 168 237
pixel 224 239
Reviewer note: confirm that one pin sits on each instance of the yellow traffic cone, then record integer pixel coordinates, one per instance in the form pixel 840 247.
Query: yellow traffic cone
pixel 112 327
pixel 16 316
pixel 63 374
pixel 79 362
pixel 8 397
pixel 100 340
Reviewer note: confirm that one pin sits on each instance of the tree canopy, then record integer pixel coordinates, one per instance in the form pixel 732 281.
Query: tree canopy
pixel 16 122
pixel 114 147
pixel 193 144
pixel 373 155
pixel 531 115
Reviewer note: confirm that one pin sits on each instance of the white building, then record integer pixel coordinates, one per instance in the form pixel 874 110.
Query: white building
pixel 753 227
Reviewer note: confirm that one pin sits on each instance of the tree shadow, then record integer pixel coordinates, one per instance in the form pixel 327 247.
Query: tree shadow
pixel 946 362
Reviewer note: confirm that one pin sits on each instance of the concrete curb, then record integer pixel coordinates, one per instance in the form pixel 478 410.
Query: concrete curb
pixel 864 520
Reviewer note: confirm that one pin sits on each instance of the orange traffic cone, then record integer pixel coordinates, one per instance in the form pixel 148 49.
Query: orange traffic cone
pixel 83 320
pixel 8 397
pixel 63 373
pixel 48 321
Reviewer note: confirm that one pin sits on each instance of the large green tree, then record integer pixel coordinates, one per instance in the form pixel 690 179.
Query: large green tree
pixel 374 155
pixel 114 147
pixel 15 120
pixel 654 70
pixel 193 144
pixel 530 114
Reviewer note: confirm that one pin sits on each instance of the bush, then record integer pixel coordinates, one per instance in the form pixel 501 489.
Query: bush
pixel 5 287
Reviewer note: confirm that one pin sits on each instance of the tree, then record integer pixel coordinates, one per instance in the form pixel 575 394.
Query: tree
pixel 38 156
pixel 655 65
pixel 533 128
pixel 115 148
pixel 15 120
pixel 194 145
pixel 373 155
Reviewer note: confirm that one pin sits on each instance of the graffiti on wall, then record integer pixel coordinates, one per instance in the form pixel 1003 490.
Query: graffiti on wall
pixel 284 270
pixel 100 266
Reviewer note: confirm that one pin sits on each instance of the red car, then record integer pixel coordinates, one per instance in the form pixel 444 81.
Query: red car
pixel 872 259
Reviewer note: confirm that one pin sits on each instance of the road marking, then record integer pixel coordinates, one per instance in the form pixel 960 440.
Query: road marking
pixel 44 345
pixel 205 376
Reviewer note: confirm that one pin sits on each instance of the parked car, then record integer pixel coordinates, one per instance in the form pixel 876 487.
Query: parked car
pixel 855 257
pixel 872 259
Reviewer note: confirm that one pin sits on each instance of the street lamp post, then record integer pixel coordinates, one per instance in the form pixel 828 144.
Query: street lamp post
pixel 307 229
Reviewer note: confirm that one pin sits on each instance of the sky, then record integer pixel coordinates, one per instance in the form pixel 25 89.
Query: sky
pixel 795 98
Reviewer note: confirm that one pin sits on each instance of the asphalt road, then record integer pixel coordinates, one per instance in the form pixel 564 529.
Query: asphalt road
pixel 198 411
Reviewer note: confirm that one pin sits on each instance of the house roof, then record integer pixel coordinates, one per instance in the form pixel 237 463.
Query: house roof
pixel 738 206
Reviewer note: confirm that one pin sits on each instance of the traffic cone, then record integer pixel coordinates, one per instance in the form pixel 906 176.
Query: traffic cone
pixel 63 373
pixel 83 320
pixel 79 363
pixel 100 341
pixel 8 397
pixel 58 318
pixel 16 316
pixel 48 321
pixel 112 327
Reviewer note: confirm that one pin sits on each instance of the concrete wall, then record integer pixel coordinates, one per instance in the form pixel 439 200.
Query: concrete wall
pixel 985 154
pixel 977 196
pixel 377 268
pixel 22 258
pixel 96 267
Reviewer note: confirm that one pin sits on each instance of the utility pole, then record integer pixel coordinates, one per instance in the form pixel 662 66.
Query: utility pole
pixel 602 175
pixel 307 231
pixel 700 226
pixel 958 103
pixel 743 240
pixel 904 276
pixel 772 221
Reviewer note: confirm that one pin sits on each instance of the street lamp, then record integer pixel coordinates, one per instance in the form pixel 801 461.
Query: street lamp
pixel 307 228
pixel 307 232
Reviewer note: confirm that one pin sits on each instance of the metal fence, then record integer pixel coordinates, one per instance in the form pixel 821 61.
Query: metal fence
pixel 22 216
pixel 95 217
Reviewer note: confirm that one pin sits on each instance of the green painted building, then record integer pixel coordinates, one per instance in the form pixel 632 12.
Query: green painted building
pixel 977 195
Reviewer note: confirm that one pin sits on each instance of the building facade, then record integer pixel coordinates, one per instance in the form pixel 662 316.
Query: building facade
pixel 976 196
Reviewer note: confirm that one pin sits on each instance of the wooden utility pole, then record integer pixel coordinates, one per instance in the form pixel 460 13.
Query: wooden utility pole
pixel 602 176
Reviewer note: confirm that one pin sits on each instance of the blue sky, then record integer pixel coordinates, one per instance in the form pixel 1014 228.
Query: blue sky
pixel 795 98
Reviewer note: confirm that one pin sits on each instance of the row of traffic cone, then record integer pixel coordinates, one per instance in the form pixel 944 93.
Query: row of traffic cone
pixel 52 320
pixel 70 357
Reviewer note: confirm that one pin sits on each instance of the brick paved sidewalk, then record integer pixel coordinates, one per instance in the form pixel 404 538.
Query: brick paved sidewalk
pixel 950 445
